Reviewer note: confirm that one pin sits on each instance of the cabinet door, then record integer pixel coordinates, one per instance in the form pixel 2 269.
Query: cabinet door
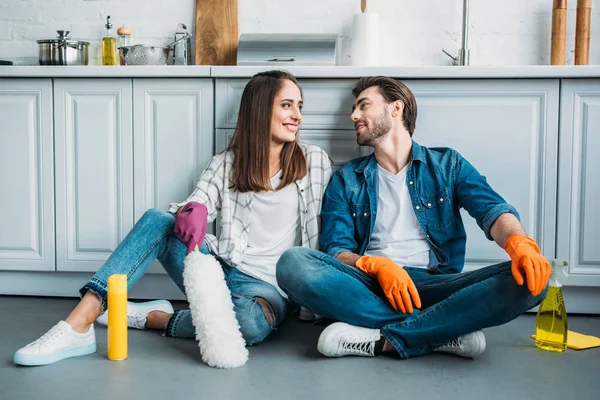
pixel 508 130
pixel 26 175
pixel 94 170
pixel 173 140
pixel 578 236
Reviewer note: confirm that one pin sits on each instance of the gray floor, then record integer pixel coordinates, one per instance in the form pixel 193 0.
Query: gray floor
pixel 288 366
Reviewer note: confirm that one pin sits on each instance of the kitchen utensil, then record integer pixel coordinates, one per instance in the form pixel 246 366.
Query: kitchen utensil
pixel 182 46
pixel 582 32
pixel 63 51
pixel 216 32
pixel 559 32
pixel 143 54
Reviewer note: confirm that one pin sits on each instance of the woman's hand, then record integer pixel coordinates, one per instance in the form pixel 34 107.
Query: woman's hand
pixel 190 225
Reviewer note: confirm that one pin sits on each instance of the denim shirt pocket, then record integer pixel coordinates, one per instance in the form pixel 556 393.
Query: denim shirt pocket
pixel 361 215
pixel 438 209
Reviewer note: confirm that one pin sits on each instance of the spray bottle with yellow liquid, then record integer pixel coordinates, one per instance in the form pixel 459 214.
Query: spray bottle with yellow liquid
pixel 551 324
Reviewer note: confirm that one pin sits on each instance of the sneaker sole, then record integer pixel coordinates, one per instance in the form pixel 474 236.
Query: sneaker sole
pixel 37 359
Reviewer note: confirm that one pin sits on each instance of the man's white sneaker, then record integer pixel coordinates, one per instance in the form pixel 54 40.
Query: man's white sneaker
pixel 58 343
pixel 341 339
pixel 138 312
pixel 468 346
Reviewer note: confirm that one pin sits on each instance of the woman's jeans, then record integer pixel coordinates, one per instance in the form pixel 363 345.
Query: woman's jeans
pixel 452 304
pixel 152 238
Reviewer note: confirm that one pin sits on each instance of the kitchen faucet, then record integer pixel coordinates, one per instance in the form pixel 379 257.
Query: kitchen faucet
pixel 463 57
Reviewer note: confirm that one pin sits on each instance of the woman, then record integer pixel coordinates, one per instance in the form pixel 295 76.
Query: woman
pixel 267 188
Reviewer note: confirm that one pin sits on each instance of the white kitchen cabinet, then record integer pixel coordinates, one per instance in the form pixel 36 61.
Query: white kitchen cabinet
pixel 173 140
pixel 26 175
pixel 94 170
pixel 578 230
pixel 508 129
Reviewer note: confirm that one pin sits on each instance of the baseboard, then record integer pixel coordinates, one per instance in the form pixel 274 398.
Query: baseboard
pixel 67 284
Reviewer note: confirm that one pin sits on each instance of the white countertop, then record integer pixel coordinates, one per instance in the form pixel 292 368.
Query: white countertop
pixel 99 71
pixel 434 72
pixel 203 71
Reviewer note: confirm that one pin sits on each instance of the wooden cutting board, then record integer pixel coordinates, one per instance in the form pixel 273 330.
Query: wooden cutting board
pixel 216 32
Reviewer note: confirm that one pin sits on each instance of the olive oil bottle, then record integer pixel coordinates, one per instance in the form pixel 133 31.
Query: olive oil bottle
pixel 109 45
pixel 551 325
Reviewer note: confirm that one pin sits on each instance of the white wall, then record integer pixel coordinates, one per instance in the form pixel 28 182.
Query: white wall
pixel 412 32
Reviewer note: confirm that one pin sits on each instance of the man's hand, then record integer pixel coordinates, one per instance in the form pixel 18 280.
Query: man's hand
pixel 526 259
pixel 394 280
pixel 190 225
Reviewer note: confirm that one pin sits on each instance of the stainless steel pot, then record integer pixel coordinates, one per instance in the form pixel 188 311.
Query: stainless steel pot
pixel 62 51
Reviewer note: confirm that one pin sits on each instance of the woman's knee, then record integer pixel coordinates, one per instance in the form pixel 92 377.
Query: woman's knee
pixel 154 216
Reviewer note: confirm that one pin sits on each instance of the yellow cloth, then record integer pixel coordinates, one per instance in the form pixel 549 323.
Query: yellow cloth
pixel 577 341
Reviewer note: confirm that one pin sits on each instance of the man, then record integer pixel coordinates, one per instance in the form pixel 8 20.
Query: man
pixel 393 244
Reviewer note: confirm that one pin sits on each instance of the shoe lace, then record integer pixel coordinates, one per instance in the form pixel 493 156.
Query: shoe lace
pixel 360 345
pixel 49 336
pixel 136 319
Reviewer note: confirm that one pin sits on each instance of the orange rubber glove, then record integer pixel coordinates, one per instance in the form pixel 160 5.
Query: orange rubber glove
pixel 526 258
pixel 394 280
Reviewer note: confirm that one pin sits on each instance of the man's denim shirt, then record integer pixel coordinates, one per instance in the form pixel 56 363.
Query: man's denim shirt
pixel 440 181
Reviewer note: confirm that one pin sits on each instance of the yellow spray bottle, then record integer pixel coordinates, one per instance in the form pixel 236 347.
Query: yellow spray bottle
pixel 117 317
pixel 551 324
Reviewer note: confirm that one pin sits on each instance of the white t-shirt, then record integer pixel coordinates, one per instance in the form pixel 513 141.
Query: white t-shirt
pixel 397 233
pixel 274 228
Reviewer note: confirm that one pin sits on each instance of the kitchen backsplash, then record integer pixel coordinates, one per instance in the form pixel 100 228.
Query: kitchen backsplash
pixel 412 32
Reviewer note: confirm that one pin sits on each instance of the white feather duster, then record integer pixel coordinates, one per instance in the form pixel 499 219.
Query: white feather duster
pixel 217 330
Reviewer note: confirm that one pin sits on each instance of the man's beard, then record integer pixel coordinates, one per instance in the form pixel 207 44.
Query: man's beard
pixel 381 126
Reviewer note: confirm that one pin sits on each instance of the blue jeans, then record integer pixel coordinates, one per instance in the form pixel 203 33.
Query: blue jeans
pixel 452 304
pixel 152 238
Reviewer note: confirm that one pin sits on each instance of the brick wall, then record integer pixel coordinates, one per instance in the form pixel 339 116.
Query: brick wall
pixel 412 32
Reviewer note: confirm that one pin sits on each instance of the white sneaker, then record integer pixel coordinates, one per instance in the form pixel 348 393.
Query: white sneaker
pixel 341 339
pixel 138 312
pixel 469 345
pixel 58 343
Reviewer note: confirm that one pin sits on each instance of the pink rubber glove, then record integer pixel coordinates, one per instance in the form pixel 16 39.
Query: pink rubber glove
pixel 190 225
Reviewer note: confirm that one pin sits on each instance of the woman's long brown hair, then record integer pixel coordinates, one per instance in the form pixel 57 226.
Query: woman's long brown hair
pixel 252 137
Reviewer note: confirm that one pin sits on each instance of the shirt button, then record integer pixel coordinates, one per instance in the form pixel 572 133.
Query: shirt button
pixel 353 215
pixel 428 204
pixel 441 199
pixel 365 214
pixel 410 183
pixel 418 208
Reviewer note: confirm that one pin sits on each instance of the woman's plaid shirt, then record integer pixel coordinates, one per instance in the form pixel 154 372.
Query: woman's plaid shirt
pixel 234 208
